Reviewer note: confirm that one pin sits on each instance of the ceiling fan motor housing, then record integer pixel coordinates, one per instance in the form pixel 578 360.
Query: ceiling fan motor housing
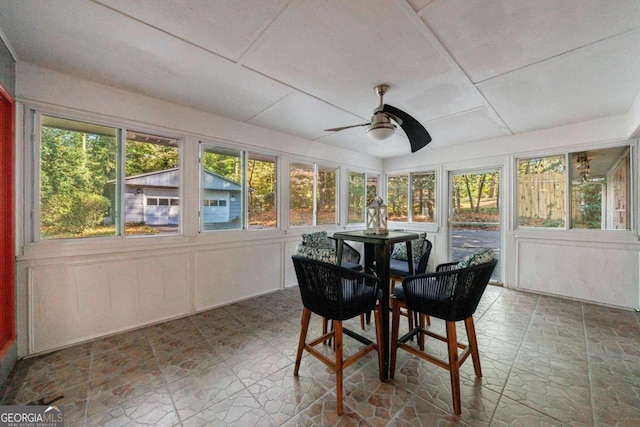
pixel 380 127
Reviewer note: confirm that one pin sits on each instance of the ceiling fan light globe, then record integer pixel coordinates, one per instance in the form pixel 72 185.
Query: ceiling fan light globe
pixel 381 131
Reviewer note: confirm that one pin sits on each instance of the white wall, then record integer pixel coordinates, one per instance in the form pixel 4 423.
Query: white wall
pixel 72 291
pixel 588 265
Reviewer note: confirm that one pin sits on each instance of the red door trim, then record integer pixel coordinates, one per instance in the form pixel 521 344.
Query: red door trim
pixel 7 222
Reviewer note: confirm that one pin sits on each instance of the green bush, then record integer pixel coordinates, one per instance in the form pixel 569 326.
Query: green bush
pixel 74 213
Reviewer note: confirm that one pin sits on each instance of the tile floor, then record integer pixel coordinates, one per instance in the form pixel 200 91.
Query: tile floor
pixel 546 362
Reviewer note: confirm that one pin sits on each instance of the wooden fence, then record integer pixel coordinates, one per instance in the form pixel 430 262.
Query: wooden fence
pixel 542 195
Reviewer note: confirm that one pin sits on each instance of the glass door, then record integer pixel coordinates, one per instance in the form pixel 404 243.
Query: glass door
pixel 474 214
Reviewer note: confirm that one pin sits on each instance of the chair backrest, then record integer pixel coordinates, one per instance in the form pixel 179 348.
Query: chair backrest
pixel 335 292
pixel 349 253
pixel 400 267
pixel 424 258
pixel 451 294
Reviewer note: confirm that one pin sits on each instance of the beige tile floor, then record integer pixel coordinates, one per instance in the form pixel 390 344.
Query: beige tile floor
pixel 546 361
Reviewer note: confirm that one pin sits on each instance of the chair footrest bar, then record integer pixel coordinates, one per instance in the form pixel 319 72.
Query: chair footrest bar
pixel 425 356
pixel 409 335
pixel 356 356
pixel 324 359
pixel 322 339
pixel 357 337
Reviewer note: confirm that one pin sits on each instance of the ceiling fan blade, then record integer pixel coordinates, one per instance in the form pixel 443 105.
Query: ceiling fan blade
pixel 417 134
pixel 346 127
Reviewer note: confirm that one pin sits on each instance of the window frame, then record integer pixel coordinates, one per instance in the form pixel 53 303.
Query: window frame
pixel 365 186
pixel 409 213
pixel 316 166
pixel 121 183
pixel 245 155
pixel 32 173
pixel 435 196
pixel 516 195
pixel 569 156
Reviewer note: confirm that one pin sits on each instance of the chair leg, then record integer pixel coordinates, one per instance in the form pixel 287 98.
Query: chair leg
pixel 306 317
pixel 420 337
pixel 395 326
pixel 338 346
pixel 411 319
pixel 473 343
pixel 454 365
pixel 379 341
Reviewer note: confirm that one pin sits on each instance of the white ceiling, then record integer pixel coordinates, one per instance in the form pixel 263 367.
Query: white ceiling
pixel 467 70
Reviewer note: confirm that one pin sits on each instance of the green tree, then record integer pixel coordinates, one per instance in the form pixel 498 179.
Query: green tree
pixel 261 179
pixel 145 157
pixel 224 164
pixel 74 169
pixel 423 196
pixel 301 188
pixel 398 193
pixel 356 195
pixel 587 205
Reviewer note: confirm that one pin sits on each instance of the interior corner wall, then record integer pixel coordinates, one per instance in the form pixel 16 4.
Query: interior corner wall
pixel 8 82
pixel 634 118
pixel 599 266
pixel 74 290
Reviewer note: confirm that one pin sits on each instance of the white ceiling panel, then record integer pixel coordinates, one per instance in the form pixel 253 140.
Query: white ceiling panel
pixel 305 116
pixel 492 37
pixel 467 70
pixel 226 27
pixel 596 81
pixel 118 51
pixel 474 125
pixel 339 53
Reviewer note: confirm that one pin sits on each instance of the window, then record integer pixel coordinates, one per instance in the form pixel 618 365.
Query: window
pixel 397 198
pixel 416 190
pixel 327 196
pixel 80 186
pixel 357 200
pixel 313 194
pixel 372 188
pixel 77 163
pixel 598 189
pixel 360 195
pixel 541 192
pixel 152 172
pixel 301 177
pixel 423 196
pixel 238 189
pixel 261 179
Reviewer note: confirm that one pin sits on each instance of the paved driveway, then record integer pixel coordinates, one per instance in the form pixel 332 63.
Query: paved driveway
pixel 465 242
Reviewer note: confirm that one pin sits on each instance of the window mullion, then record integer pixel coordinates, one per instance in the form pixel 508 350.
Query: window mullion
pixel 244 194
pixel 315 194
pixel 34 219
pixel 120 179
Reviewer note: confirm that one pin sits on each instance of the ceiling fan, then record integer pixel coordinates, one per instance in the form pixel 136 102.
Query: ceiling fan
pixel 382 126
